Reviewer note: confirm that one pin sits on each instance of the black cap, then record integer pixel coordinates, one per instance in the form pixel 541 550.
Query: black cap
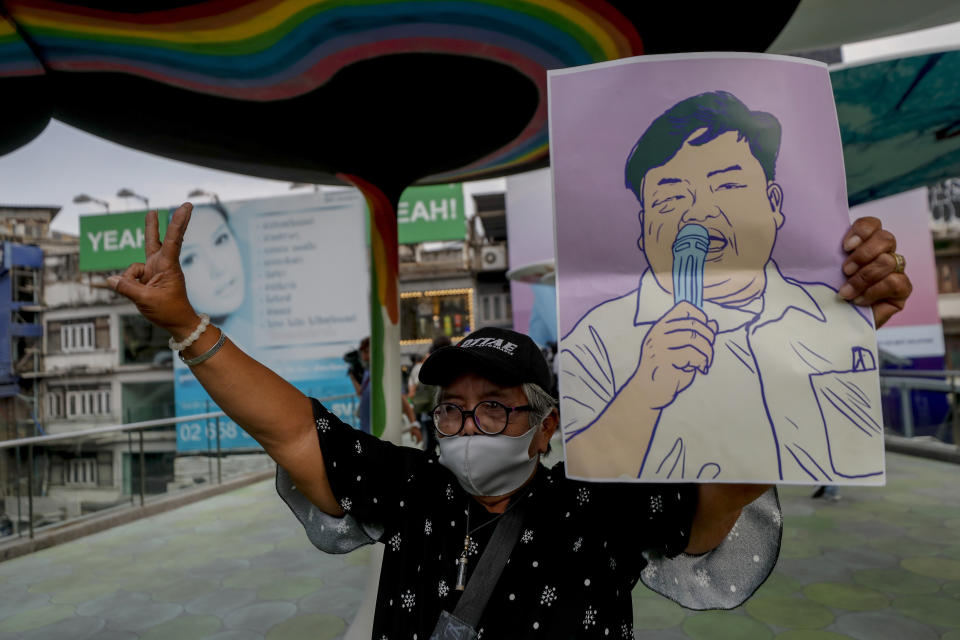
pixel 500 355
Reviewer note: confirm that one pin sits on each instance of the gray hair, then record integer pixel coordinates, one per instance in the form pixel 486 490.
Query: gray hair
pixel 541 401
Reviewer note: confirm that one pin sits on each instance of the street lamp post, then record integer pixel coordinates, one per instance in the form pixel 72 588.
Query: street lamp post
pixel 84 198
pixel 300 185
pixel 197 193
pixel 128 193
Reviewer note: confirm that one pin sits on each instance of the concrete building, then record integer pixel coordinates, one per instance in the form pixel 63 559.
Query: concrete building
pixel 944 200
pixel 94 362
pixel 455 287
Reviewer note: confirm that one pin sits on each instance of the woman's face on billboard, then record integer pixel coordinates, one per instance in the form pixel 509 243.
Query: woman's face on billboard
pixel 211 264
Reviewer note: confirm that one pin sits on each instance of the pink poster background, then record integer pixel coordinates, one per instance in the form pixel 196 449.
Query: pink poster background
pixel 598 112
pixel 530 225
pixel 907 216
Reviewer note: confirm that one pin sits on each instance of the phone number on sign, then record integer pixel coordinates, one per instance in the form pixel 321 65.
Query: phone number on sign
pixel 198 432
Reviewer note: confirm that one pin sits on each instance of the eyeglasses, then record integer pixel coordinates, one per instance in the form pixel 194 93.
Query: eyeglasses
pixel 490 416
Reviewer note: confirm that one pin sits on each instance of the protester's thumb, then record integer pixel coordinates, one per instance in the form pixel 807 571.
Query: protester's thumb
pixel 125 287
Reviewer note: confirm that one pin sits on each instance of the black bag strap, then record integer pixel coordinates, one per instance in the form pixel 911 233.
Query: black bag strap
pixel 490 566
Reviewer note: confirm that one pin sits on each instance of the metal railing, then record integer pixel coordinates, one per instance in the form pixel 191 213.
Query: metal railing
pixel 138 428
pixel 904 382
pixel 899 383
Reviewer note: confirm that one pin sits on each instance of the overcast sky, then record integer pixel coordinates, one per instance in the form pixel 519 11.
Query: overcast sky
pixel 63 162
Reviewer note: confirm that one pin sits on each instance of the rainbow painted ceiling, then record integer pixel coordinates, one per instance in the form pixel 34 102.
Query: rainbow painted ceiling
pixel 394 90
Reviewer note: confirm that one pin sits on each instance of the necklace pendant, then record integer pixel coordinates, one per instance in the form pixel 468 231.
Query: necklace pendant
pixel 461 573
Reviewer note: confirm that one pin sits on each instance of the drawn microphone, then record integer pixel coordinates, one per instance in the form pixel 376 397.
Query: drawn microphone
pixel 689 255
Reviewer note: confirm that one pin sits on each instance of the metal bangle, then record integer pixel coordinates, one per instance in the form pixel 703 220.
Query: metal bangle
pixel 203 357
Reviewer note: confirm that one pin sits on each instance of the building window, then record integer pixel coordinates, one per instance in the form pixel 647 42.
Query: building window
pixel 496 308
pixel 82 471
pixel 54 404
pixel 105 468
pixel 94 402
pixel 143 342
pixel 952 344
pixel 64 267
pixel 425 315
pixel 158 472
pixel 146 400
pixel 77 337
pixel 948 279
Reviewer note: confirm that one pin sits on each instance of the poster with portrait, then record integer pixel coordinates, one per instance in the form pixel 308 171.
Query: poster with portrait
pixel 700 205
pixel 286 279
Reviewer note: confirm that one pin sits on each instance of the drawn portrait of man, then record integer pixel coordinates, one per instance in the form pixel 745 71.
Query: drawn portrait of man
pixel 760 376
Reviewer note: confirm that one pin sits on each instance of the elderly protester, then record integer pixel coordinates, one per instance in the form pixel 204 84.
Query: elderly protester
pixel 484 542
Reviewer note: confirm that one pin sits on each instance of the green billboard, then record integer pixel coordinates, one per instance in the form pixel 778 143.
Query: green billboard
pixel 425 214
pixel 113 241
pixel 428 214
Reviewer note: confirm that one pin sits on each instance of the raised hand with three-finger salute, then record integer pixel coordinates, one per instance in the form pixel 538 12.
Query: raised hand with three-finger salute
pixel 268 408
pixel 157 286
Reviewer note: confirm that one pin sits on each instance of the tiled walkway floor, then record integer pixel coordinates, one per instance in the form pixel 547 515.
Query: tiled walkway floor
pixel 880 564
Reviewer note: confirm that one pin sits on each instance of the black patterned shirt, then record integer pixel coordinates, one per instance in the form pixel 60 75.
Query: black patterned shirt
pixel 570 574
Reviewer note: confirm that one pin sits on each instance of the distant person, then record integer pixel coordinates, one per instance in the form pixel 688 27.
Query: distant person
pixel 355 367
pixel 413 375
pixel 827 492
pixel 362 386
pixel 424 397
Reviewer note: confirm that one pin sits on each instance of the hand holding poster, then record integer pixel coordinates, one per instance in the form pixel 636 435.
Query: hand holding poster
pixel 700 204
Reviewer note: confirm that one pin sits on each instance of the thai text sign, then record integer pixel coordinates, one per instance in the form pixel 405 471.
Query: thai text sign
pixel 286 279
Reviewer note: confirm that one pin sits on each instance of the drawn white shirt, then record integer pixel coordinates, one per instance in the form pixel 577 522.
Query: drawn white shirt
pixel 791 393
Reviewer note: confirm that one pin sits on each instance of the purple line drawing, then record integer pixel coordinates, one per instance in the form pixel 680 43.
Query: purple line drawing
pixel 718 366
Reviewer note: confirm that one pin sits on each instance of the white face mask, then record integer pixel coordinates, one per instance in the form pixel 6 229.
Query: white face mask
pixel 489 465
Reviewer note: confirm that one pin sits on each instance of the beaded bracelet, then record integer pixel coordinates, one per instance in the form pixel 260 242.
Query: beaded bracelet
pixel 190 339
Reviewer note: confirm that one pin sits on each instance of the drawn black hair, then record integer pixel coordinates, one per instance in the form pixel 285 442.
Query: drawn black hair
pixel 718 112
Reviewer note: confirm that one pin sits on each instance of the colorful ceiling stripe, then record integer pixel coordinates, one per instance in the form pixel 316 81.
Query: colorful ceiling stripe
pixel 269 50
pixel 16 58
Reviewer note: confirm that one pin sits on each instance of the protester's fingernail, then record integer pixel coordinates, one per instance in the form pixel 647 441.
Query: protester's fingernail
pixel 113 281
pixel 846 292
pixel 860 300
pixel 852 243
pixel 849 269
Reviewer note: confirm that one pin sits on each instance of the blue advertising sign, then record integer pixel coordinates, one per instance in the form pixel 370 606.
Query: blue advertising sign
pixel 286 279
